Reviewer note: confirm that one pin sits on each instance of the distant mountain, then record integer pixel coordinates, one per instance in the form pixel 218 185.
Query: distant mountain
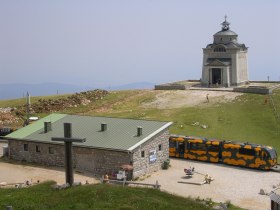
pixel 10 91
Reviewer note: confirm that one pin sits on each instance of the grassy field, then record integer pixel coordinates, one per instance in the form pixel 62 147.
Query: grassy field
pixel 34 99
pixel 100 196
pixel 246 119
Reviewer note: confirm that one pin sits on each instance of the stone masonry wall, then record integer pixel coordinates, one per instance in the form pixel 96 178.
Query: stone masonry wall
pixel 143 165
pixel 95 161
pixel 99 161
pixel 16 152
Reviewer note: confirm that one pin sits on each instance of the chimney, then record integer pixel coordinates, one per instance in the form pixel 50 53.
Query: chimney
pixel 47 127
pixel 67 130
pixel 103 126
pixel 139 131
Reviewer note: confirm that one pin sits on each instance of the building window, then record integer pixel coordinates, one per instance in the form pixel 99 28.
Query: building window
pixel 142 154
pixel 25 147
pixel 51 150
pixel 38 148
pixel 159 147
pixel 219 49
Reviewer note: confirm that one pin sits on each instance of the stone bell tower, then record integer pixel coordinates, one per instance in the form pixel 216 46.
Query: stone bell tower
pixel 225 60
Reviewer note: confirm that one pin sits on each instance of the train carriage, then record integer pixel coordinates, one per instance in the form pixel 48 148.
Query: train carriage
pixel 248 155
pixel 213 150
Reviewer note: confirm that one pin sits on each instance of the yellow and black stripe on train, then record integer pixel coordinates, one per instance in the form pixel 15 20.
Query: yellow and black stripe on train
pixel 231 153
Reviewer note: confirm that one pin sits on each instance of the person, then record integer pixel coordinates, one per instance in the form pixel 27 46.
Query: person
pixel 208 179
pixel 106 178
pixel 207 97
pixel 266 99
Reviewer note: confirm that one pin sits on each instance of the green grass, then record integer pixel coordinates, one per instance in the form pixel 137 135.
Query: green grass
pixel 247 119
pixel 34 99
pixel 100 196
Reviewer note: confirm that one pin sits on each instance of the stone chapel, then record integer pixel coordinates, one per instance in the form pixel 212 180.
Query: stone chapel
pixel 225 60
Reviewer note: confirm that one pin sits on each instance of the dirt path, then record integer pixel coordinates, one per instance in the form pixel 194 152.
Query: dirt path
pixel 187 98
pixel 238 185
pixel 16 173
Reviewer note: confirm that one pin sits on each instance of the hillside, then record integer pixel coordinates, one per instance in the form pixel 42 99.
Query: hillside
pixel 227 115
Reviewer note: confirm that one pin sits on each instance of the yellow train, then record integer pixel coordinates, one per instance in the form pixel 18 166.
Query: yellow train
pixel 231 153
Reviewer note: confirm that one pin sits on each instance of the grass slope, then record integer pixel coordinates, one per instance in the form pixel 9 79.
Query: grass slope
pixel 99 196
pixel 247 119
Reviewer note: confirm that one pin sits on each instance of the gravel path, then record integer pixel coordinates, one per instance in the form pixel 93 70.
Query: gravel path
pixel 16 173
pixel 186 98
pixel 238 185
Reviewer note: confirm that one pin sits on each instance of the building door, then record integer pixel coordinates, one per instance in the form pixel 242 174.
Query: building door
pixel 216 76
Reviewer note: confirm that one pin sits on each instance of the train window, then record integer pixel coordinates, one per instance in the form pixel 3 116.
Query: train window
pixel 198 146
pixel 264 155
pixel 171 144
pixel 181 147
pixel 213 148
pixel 244 151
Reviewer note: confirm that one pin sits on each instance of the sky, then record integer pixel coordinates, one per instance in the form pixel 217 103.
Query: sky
pixel 114 42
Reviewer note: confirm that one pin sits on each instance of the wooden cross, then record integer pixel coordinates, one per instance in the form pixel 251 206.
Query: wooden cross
pixel 68 151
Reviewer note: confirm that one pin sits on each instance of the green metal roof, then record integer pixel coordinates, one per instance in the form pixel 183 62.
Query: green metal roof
pixel 121 134
pixel 34 127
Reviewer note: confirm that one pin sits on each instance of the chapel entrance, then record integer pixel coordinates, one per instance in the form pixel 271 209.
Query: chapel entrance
pixel 216 76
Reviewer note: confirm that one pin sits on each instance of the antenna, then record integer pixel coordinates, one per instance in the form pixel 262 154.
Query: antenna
pixel 27 108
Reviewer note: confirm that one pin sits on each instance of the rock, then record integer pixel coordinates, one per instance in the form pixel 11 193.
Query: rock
pixel 223 206
pixel 262 192
pixel 217 207
pixel 77 184
pixel 3 183
pixel 204 126
pixel 63 186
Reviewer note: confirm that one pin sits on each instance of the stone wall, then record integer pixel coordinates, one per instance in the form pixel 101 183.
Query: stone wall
pixel 100 161
pixel 257 90
pixel 144 165
pixel 242 67
pixel 43 156
pixel 170 87
pixel 96 161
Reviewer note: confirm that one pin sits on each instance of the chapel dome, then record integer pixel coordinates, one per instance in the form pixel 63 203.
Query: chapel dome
pixel 226 33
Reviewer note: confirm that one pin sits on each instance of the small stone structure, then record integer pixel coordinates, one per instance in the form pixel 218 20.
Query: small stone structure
pixel 225 60
pixel 146 152
pixel 275 199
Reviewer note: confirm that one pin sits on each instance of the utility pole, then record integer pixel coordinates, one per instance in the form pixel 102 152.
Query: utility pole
pixel 27 108
pixel 68 140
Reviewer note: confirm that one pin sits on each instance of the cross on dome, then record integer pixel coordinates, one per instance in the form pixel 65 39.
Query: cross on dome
pixel 225 24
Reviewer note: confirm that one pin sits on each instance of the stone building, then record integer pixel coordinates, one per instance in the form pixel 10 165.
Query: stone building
pixel 275 199
pixel 225 60
pixel 110 143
